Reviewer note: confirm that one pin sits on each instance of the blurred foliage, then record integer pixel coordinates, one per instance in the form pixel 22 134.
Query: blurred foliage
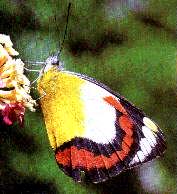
pixel 128 45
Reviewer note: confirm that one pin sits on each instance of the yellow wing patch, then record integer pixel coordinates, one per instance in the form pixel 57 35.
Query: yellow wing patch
pixel 62 107
pixel 150 124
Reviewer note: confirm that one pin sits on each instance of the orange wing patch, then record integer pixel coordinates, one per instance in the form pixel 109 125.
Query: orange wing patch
pixel 124 121
pixel 116 104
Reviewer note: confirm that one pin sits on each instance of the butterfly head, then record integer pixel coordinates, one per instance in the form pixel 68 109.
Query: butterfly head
pixel 53 62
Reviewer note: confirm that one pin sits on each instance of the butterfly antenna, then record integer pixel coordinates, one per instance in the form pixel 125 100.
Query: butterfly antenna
pixel 66 28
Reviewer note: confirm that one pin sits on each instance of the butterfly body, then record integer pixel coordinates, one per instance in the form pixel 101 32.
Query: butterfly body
pixel 94 129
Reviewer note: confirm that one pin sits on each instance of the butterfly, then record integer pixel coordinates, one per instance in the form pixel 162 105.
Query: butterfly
pixel 92 129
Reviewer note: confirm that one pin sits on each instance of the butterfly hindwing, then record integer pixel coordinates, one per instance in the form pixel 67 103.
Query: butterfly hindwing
pixel 96 131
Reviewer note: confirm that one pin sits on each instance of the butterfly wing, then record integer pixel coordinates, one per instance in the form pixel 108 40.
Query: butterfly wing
pixel 149 137
pixel 94 130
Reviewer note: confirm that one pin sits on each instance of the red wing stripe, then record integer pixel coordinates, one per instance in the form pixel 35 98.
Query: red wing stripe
pixel 124 121
pixel 126 124
pixel 65 157
pixel 100 161
pixel 115 103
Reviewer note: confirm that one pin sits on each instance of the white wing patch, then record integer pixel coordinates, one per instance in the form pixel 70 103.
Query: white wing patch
pixel 100 117
pixel 147 143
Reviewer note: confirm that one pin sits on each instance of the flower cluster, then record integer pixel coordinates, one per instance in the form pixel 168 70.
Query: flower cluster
pixel 14 85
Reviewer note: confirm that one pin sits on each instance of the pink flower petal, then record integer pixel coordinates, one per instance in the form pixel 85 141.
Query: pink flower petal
pixel 12 113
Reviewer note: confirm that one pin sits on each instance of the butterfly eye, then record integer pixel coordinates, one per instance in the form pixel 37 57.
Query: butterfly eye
pixel 53 60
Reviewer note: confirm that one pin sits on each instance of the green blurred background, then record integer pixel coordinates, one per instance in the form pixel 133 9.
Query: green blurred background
pixel 128 45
